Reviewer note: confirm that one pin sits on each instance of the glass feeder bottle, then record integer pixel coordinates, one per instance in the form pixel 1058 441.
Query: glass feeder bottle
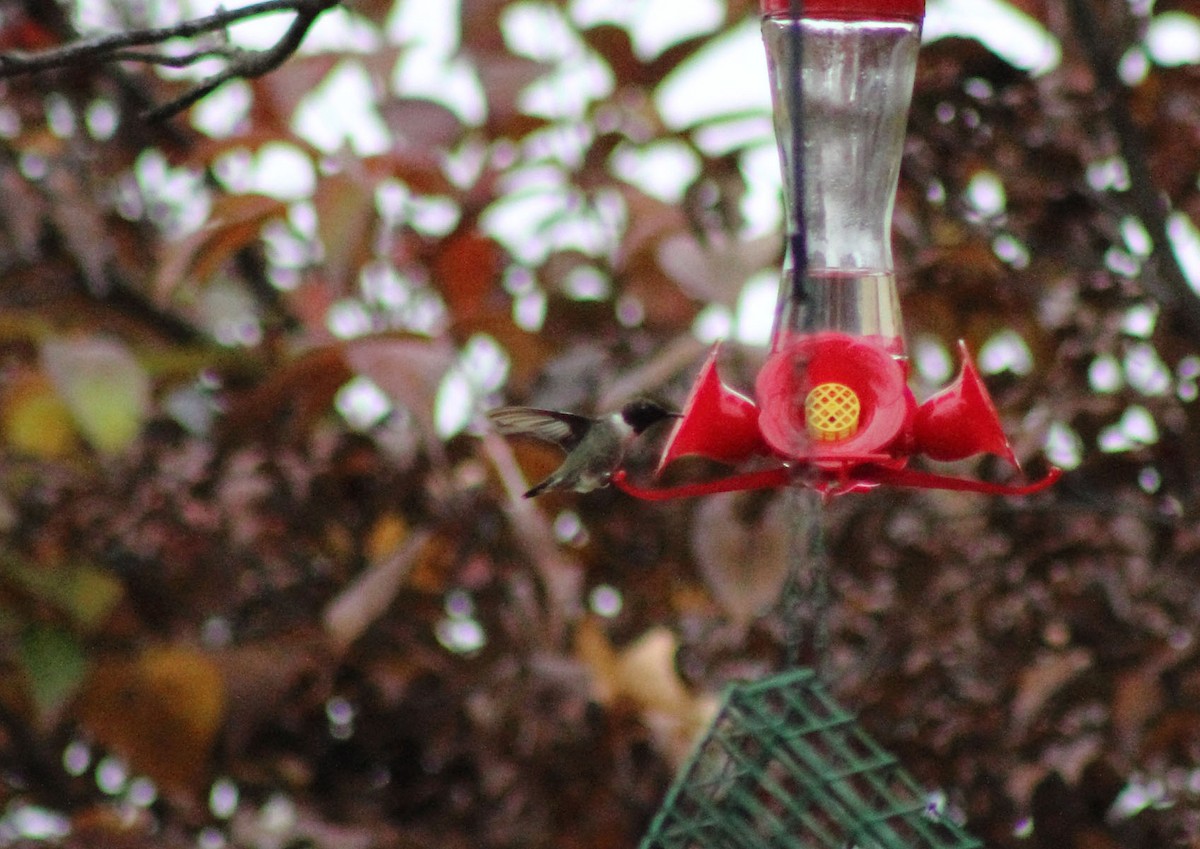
pixel 856 69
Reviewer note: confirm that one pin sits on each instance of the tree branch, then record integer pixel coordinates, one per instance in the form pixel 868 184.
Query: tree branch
pixel 118 47
pixel 1165 281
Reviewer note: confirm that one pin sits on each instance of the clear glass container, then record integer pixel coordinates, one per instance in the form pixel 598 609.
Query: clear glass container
pixel 857 80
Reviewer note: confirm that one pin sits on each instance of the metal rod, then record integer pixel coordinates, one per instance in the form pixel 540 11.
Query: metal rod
pixel 805 598
pixel 798 237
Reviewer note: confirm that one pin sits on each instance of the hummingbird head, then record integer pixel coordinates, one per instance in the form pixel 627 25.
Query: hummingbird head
pixel 640 414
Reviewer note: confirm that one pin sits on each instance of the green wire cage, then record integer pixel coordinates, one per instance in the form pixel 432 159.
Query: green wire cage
pixel 783 766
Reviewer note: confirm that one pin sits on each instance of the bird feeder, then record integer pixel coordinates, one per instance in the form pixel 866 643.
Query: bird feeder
pixel 784 767
pixel 831 406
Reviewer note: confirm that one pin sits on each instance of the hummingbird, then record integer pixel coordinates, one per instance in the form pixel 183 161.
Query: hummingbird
pixel 595 447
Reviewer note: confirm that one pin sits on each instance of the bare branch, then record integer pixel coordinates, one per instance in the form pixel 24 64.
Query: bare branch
pixel 118 47
pixel 1165 280
pixel 250 65
pixel 175 60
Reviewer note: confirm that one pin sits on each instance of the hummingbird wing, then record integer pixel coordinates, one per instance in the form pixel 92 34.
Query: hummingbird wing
pixel 563 429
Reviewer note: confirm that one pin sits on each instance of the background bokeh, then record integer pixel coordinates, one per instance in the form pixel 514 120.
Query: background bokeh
pixel 263 578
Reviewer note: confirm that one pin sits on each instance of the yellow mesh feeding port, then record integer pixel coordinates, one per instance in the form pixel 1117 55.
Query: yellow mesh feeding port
pixel 831 412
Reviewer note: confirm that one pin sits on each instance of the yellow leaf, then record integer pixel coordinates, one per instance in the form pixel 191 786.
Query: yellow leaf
pixel 644 673
pixel 593 648
pixel 103 385
pixel 35 420
pixel 385 536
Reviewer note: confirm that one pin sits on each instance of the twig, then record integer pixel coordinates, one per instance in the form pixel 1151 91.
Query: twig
pixel 177 60
pixel 370 594
pixel 1166 282
pixel 100 48
pixel 561 575
pixel 674 358
pixel 116 47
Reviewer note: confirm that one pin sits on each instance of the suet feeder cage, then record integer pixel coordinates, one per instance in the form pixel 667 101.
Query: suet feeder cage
pixel 783 766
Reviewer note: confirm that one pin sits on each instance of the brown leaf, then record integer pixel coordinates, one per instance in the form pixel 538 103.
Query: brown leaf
pixel 465 271
pixel 235 222
pixel 424 124
pixel 741 544
pixel 285 405
pixel 258 679
pixel 1043 679
pixel 161 711
pixel 345 205
pixel 409 370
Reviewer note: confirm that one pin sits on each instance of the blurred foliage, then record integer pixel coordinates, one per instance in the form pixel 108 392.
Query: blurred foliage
pixel 262 583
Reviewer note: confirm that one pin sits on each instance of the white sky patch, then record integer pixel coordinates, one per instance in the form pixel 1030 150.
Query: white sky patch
pixel 1105 375
pixel 653 25
pixel 932 360
pixel 180 190
pixel 1135 428
pixel 1136 238
pixel 1139 320
pixel 712 324
pixel 254 33
pixel 220 114
pixel 348 318
pixel 605 600
pixel 452 407
pixel 1063 446
pixel 538 30
pixel 518 222
pixel 361 403
pixel 339 30
pixel 102 119
pixel 432 25
pixel 1011 250
pixel 663 169
pixel 743 131
pixel 335 30
pixel 427 72
pixel 1146 372
pixel 1010 34
pixel 567 91
pixel 761 204
pixel 986 194
pixel 283 171
pixel 1185 242
pixel 1005 351
pixel 587 283
pixel 433 216
pixel 482 369
pixel 1122 262
pixel 1105 174
pixel 1134 66
pixel 341 112
pixel 1173 38
pixel 30 822
pixel 732 74
pixel 540 213
pixel 755 314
